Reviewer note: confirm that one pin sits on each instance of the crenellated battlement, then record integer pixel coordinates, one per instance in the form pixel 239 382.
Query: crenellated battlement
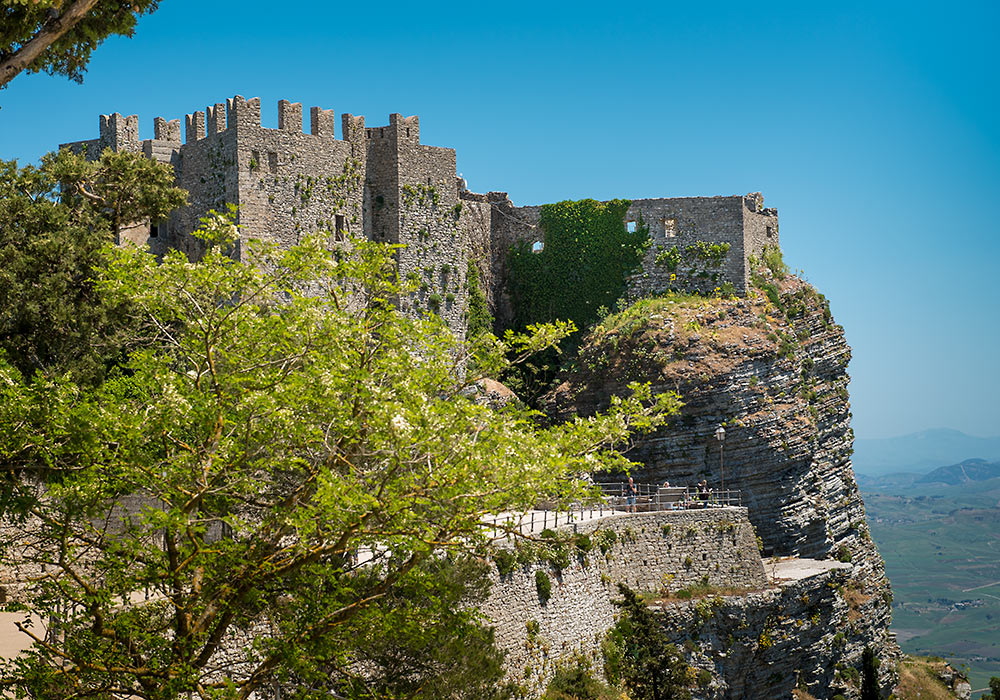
pixel 243 113
pixel 122 133
pixel 382 183
pixel 119 133
pixel 164 130
pixel 400 130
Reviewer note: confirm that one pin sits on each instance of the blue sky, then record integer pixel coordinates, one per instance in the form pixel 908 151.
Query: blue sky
pixel 872 127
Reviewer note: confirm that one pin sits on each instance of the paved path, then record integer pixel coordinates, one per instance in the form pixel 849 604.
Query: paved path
pixel 787 570
pixel 533 522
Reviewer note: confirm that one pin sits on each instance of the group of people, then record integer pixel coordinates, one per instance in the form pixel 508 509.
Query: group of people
pixel 700 497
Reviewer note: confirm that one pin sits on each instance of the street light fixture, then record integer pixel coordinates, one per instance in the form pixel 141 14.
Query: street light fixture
pixel 720 435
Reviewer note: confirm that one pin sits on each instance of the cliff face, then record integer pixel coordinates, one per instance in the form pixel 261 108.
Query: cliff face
pixel 771 368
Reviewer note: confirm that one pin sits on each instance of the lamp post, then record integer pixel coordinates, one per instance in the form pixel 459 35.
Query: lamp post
pixel 720 435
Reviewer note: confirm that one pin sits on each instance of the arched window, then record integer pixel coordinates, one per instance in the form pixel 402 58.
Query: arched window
pixel 537 247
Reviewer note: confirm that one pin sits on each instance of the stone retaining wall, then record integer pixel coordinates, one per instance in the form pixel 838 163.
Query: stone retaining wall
pixel 651 551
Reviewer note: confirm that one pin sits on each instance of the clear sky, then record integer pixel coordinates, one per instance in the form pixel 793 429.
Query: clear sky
pixel 872 127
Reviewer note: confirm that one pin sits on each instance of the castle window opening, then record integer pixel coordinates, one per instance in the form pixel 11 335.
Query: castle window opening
pixel 537 247
pixel 254 160
pixel 630 226
pixel 154 230
pixel 670 228
pixel 340 227
pixel 770 231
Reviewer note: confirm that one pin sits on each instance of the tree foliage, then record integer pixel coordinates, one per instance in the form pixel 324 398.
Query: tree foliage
pixel 869 675
pixel 52 239
pixel 641 656
pixel 280 466
pixel 58 36
pixel 122 187
pixel 576 682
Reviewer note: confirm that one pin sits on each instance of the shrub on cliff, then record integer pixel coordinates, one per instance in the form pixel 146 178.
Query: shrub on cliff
pixel 576 682
pixel 639 655
pixel 254 496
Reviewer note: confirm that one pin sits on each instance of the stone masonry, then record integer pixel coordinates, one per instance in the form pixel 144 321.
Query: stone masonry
pixel 668 550
pixel 383 184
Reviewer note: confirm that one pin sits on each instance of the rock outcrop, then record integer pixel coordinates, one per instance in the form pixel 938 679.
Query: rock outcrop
pixel 772 369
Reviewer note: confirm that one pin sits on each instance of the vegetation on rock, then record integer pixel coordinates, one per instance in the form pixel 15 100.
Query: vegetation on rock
pixel 639 655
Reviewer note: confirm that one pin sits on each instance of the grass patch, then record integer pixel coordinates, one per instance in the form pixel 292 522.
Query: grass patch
pixel 702 589
pixel 918 679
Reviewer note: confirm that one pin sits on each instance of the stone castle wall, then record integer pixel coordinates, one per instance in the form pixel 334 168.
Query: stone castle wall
pixel 382 183
pixel 376 182
pixel 679 222
pixel 651 552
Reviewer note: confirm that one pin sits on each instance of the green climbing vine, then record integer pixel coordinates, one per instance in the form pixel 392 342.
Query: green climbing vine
pixel 586 255
pixel 422 194
pixel 709 254
pixel 478 318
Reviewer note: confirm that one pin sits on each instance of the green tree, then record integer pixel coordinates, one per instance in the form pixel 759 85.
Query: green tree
pixel 575 682
pixel 242 503
pixel 426 640
pixel 869 675
pixel 58 36
pixel 124 188
pixel 641 656
pixel 52 239
pixel 994 693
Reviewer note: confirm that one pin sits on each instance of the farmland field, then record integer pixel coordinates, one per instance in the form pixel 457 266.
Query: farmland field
pixel 941 546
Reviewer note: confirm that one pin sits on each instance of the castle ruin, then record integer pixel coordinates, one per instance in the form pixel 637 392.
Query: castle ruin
pixel 383 184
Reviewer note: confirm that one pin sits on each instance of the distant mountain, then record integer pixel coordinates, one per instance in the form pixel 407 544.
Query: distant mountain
pixel 921 452
pixel 891 481
pixel 969 470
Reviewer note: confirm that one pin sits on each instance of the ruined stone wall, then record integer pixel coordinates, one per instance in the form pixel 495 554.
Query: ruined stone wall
pixel 651 552
pixel 677 222
pixel 681 222
pixel 508 225
pixel 476 220
pixel 760 227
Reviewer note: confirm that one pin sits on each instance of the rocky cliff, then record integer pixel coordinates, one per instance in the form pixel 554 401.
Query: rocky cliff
pixel 772 369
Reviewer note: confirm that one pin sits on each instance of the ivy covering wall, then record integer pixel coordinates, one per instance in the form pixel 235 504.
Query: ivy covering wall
pixel 587 254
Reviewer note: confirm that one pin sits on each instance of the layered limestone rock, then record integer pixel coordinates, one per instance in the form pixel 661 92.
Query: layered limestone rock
pixel 770 643
pixel 772 369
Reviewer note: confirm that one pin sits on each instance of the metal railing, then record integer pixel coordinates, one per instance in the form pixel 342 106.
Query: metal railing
pixel 646 498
